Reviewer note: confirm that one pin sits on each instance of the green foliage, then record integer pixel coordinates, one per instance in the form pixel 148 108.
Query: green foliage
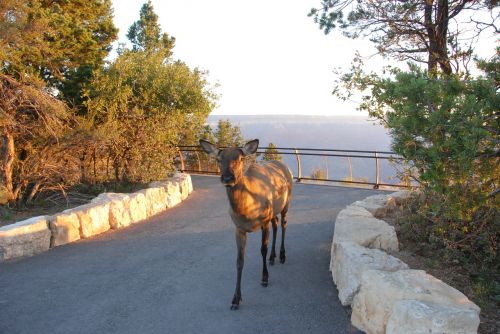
pixel 318 174
pixel 448 130
pixel 227 135
pixel 224 135
pixel 414 30
pixel 60 42
pixel 145 34
pixel 207 134
pixel 444 122
pixel 130 115
pixel 271 153
pixel 142 107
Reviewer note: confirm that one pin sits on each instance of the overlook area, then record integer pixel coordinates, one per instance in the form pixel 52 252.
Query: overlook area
pixel 175 274
pixel 108 106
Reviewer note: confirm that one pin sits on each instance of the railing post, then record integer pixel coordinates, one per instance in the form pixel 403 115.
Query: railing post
pixel 350 168
pixel 299 169
pixel 181 159
pixel 198 159
pixel 377 171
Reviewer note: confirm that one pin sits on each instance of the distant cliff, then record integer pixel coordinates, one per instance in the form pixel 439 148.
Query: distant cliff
pixel 335 132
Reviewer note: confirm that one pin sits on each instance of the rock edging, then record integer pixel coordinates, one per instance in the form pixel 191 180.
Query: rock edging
pixel 106 211
pixel 385 295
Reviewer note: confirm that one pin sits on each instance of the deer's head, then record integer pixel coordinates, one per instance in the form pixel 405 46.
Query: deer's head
pixel 230 159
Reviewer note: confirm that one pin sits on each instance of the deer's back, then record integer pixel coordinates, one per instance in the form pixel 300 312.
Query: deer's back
pixel 266 192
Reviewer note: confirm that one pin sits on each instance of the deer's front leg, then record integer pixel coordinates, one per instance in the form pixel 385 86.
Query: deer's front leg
pixel 241 240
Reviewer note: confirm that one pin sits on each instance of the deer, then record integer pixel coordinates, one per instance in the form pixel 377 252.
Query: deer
pixel 257 195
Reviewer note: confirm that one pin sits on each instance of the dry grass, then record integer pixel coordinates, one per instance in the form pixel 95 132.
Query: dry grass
pixel 460 274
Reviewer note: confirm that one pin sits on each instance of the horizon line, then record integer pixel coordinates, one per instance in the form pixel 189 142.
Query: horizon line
pixel 307 115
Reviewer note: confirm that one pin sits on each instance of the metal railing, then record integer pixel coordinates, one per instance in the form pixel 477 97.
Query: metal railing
pixel 377 156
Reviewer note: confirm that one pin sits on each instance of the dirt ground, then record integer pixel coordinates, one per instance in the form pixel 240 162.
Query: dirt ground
pixel 11 216
pixel 452 272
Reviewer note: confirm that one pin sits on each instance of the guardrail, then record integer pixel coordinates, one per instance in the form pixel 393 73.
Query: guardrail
pixel 377 156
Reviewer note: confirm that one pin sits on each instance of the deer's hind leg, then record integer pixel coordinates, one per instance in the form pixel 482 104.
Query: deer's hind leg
pixel 274 223
pixel 284 221
pixel 263 251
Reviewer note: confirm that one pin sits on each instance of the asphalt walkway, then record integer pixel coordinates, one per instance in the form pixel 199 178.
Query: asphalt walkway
pixel 176 273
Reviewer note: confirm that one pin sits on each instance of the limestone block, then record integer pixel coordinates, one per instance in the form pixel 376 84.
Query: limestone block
pixel 352 211
pixel 156 200
pixel 161 200
pixel 418 317
pixel 401 196
pixel 173 199
pixel 378 205
pixel 380 290
pixel 184 188
pixel 364 230
pixel 189 183
pixel 138 207
pixel 185 184
pixel 174 196
pixel 24 238
pixel 173 187
pixel 65 227
pixel 93 217
pixel 119 208
pixel 349 262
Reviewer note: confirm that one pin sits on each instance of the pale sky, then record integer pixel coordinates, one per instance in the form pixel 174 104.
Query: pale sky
pixel 268 56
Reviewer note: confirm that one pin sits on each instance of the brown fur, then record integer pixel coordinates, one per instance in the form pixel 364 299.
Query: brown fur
pixel 256 196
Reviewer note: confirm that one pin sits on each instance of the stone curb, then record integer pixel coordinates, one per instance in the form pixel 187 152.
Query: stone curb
pixel 385 295
pixel 106 211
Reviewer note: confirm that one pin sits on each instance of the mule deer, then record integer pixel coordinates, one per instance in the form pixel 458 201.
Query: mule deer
pixel 256 197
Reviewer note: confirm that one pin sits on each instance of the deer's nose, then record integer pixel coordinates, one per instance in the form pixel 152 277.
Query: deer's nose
pixel 227 179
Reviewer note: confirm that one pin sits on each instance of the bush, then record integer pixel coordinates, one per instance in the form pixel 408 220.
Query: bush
pixel 139 109
pixel 447 129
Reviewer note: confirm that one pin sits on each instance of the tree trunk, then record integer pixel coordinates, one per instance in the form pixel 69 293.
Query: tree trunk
pixel 33 192
pixel 7 154
pixel 441 36
pixel 83 176
pixel 94 158
pixel 116 166
pixel 431 36
pixel 437 32
pixel 107 168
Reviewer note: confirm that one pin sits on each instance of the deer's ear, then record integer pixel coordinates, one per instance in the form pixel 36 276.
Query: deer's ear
pixel 209 148
pixel 250 147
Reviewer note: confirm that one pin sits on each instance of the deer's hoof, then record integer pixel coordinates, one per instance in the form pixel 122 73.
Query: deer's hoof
pixel 271 261
pixel 264 284
pixel 235 304
pixel 282 258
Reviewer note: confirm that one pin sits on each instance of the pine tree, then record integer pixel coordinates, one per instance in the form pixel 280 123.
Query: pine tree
pixel 419 31
pixel 272 153
pixel 228 135
pixel 145 34
pixel 60 42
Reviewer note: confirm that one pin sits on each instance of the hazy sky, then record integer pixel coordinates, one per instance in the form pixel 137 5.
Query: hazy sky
pixel 268 56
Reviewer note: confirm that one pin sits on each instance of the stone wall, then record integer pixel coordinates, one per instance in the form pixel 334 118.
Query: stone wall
pixel 385 295
pixel 106 211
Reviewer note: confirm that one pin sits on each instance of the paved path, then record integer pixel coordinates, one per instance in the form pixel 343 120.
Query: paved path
pixel 176 273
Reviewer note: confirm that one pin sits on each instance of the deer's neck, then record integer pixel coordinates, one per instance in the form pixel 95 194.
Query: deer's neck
pixel 237 194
